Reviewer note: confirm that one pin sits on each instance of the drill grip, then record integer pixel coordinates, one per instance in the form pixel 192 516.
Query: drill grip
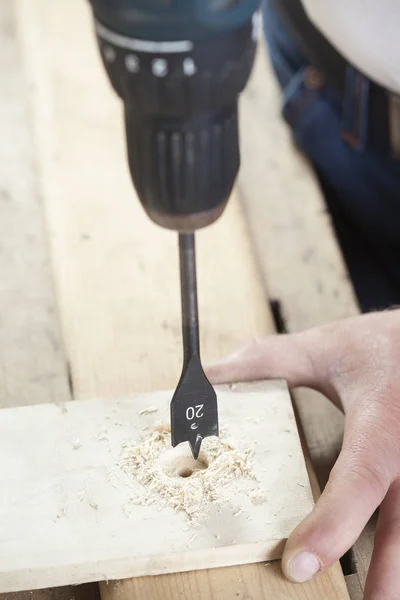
pixel 184 170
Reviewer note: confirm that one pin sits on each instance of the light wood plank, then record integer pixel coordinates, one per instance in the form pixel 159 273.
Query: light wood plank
pixel 287 216
pixel 70 513
pixel 250 582
pixel 299 257
pixel 301 264
pixel 117 274
pixel 32 363
pixel 33 367
pixel 354 586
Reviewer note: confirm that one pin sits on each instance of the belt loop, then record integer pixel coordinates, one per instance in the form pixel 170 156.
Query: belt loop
pixel 394 124
pixel 356 109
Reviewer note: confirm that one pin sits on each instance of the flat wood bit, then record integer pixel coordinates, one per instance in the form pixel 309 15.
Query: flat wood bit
pixel 194 410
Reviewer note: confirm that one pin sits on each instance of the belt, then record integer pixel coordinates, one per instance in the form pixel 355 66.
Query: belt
pixel 383 120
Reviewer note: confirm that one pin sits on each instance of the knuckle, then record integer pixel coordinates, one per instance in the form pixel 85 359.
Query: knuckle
pixel 371 475
pixel 361 349
pixel 380 443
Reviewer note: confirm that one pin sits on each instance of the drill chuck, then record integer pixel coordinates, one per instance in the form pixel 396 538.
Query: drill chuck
pixel 180 99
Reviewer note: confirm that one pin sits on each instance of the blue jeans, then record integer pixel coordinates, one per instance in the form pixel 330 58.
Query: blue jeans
pixel 361 183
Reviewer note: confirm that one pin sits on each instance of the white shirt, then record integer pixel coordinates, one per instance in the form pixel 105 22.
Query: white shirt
pixel 366 32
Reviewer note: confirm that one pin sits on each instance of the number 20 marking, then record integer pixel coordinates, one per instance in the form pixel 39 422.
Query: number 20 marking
pixel 194 411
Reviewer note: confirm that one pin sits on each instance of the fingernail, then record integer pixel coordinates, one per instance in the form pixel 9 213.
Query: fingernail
pixel 303 567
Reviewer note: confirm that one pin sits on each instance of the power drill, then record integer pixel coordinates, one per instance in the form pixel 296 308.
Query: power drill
pixel 179 67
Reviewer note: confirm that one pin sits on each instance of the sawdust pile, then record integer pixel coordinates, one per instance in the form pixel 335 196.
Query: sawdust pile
pixel 173 478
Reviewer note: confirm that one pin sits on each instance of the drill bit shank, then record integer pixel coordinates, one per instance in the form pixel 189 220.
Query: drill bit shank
pixel 190 311
pixel 194 411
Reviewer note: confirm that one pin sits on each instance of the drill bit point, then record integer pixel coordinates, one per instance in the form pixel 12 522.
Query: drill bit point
pixel 195 447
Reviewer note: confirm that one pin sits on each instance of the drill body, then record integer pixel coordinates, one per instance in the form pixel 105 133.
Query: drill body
pixel 173 20
pixel 179 66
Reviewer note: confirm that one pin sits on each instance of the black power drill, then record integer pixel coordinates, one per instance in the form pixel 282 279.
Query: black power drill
pixel 179 66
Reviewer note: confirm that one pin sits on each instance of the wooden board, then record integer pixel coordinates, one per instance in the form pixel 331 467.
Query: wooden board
pixel 70 513
pixel 290 225
pixel 120 340
pixel 301 264
pixel 32 362
pixel 33 367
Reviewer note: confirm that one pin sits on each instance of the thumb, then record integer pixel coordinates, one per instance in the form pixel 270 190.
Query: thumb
pixel 295 358
pixel 358 483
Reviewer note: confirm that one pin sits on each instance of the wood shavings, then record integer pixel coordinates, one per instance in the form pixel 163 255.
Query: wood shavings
pixel 257 497
pixel 148 411
pixel 198 487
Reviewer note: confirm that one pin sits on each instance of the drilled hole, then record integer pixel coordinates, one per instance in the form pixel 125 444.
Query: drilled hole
pixel 185 472
pixel 179 462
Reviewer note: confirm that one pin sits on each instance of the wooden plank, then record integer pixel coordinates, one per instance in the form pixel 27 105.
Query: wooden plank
pixel 287 215
pixel 302 268
pixel 301 263
pixel 250 582
pixel 79 505
pixel 117 274
pixel 362 552
pixel 32 365
pixel 354 586
pixel 32 362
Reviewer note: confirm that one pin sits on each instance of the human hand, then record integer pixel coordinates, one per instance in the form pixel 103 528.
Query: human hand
pixel 356 364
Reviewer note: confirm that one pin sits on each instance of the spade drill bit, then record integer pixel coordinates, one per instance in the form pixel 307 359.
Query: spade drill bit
pixel 194 410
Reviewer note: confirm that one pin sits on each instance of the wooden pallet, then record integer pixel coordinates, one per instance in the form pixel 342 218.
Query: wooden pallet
pixel 109 263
